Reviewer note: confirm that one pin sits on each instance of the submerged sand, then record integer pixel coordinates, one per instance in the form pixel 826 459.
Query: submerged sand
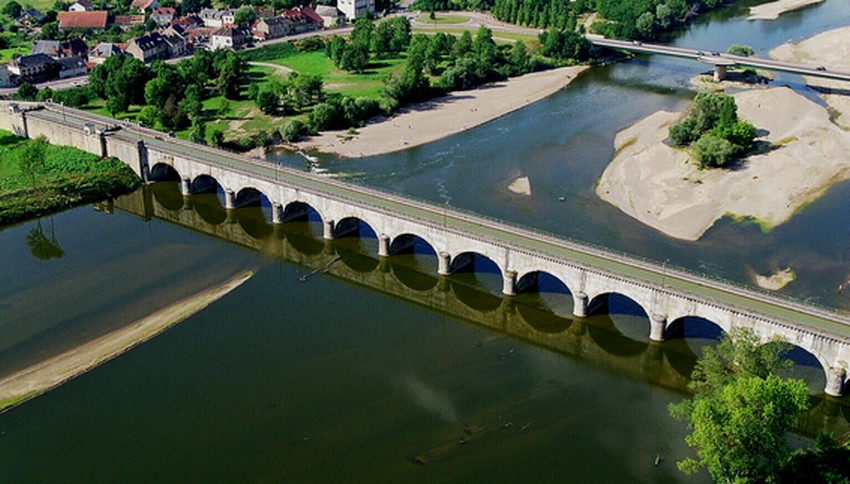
pixel 441 117
pixel 660 185
pixel 48 374
pixel 772 10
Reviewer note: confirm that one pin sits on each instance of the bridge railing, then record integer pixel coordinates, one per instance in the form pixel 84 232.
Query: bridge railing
pixel 272 173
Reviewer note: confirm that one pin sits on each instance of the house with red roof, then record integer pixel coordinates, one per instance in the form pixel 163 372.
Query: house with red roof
pixel 97 19
pixel 163 15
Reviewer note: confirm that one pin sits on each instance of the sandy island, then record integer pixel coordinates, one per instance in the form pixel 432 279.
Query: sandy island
pixel 441 117
pixel 661 187
pixel 48 374
pixel 772 10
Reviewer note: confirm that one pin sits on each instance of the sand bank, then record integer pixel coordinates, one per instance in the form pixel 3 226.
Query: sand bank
pixel 831 50
pixel 51 373
pixel 441 117
pixel 660 186
pixel 772 10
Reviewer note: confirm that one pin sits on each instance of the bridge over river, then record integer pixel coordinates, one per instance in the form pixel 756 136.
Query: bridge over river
pixel 720 61
pixel 460 241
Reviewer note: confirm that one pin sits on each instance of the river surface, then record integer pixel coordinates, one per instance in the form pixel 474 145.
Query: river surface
pixel 330 365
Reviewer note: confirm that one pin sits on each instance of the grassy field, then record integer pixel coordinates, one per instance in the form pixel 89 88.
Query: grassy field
pixel 40 5
pixel 67 177
pixel 16 47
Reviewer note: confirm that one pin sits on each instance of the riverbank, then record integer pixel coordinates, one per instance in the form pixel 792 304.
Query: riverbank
pixel 435 119
pixel 772 10
pixel 660 186
pixel 40 378
pixel 51 178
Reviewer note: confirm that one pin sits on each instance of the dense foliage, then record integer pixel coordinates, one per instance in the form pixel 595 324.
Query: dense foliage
pixel 713 130
pixel 741 410
pixel 38 178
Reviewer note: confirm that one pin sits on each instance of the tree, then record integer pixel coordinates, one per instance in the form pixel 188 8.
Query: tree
pixel 741 410
pixel 645 24
pixel 31 157
pixel 292 131
pixel 12 9
pixel 741 50
pixel 827 462
pixel 26 92
pixel 711 151
pixel 230 75
pixel 198 131
pixel 267 99
pixel 244 16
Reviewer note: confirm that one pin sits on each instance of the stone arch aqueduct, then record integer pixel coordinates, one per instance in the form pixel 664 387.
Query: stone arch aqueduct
pixel 665 295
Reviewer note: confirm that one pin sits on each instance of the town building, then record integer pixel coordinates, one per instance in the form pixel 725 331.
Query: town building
pixel 330 15
pixel 145 5
pixel 163 15
pixel 97 19
pixel 80 6
pixel 148 47
pixel 34 68
pixel 227 38
pixel 104 50
pixel 217 18
pixel 355 9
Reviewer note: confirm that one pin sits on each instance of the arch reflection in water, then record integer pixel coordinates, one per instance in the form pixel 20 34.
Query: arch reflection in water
pixel 544 301
pixel 599 339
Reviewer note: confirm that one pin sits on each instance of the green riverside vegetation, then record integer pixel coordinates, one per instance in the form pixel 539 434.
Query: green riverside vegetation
pixel 38 178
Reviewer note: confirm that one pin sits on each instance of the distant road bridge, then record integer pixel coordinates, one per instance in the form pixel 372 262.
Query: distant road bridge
pixel 719 60
pixel 459 241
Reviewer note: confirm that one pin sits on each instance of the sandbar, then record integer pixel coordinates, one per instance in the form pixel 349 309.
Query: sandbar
pixel 772 10
pixel 660 186
pixel 830 49
pixel 50 373
pixel 435 119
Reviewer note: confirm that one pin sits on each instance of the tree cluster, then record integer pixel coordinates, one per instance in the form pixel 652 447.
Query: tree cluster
pixel 741 410
pixel 172 94
pixel 634 19
pixel 542 14
pixel 713 131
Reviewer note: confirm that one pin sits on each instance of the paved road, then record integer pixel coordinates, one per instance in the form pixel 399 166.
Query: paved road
pixel 497 232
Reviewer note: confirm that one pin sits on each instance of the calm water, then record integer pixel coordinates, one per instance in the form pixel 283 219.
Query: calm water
pixel 329 365
pixel 563 144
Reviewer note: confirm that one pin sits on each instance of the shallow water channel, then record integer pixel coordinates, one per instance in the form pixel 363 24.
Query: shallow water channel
pixel 330 365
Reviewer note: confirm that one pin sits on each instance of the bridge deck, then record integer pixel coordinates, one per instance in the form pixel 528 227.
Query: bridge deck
pixel 518 238
pixel 720 58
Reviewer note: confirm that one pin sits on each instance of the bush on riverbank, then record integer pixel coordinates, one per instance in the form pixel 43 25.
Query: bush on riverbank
pixel 38 178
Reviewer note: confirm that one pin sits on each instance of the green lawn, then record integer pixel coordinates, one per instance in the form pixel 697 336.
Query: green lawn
pixel 369 84
pixel 442 19
pixel 41 5
pixel 16 47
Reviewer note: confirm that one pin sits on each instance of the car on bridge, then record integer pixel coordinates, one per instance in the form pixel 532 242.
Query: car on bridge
pixel 820 68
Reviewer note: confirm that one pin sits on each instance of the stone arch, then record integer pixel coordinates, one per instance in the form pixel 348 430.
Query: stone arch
pixel 356 242
pixel 413 261
pixel 411 243
pixel 302 225
pixel 620 324
pixel 544 301
pixel 206 184
pixel 685 338
pixel 251 197
pixel 807 366
pixel 476 280
pixel 163 172
pixel 353 227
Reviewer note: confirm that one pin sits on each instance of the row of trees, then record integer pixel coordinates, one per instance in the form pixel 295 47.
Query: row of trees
pixel 740 412
pixel 713 131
